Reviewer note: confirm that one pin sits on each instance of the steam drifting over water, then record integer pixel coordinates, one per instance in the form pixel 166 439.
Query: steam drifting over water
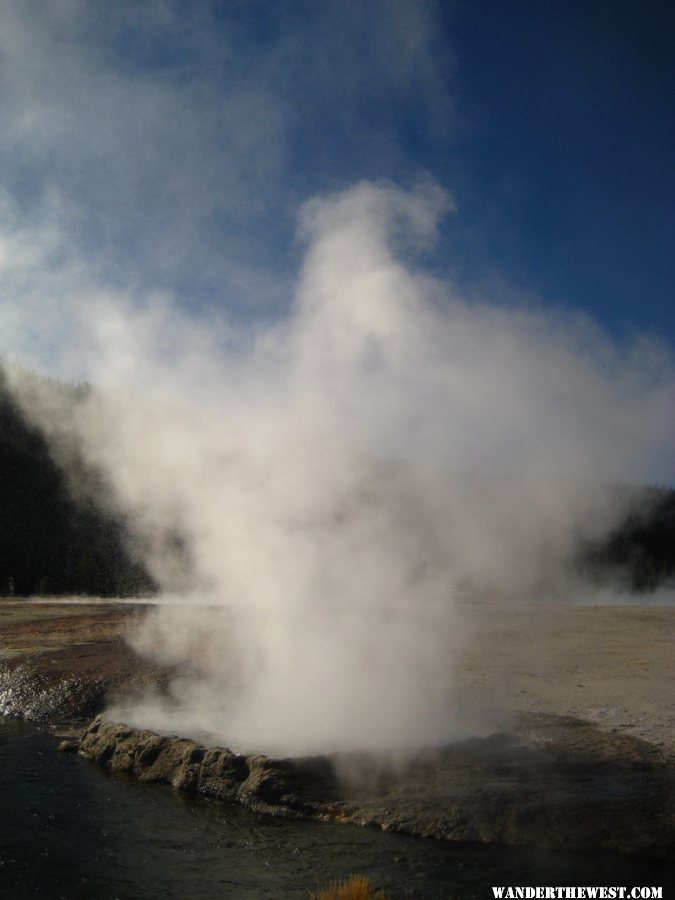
pixel 322 490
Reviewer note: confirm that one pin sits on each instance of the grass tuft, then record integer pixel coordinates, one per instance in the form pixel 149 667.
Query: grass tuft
pixel 358 887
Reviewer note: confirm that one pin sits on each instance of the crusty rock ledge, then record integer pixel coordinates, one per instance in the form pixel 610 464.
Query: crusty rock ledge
pixel 279 787
pixel 557 783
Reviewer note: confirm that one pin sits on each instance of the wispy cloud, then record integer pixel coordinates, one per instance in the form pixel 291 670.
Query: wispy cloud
pixel 168 145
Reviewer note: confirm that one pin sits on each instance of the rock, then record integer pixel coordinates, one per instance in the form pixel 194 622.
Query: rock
pixel 560 784
pixel 215 772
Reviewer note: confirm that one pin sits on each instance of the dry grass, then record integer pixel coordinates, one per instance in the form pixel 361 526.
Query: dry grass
pixel 355 888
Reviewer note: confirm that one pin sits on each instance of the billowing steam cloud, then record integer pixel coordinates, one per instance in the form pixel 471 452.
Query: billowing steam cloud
pixel 323 493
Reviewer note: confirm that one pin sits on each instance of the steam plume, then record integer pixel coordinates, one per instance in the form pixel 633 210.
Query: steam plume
pixel 339 481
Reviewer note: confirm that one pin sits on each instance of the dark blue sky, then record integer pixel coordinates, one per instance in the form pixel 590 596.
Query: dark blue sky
pixel 167 146
pixel 568 163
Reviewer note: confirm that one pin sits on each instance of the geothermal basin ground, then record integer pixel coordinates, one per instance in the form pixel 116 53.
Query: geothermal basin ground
pixel 576 748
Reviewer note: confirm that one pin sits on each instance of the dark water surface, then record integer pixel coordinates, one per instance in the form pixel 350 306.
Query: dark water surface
pixel 70 830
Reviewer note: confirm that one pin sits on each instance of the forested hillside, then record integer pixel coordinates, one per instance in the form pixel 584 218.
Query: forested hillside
pixel 49 543
pixel 640 553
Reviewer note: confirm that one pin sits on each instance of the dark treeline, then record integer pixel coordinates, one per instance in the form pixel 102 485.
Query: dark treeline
pixel 640 552
pixel 52 543
pixel 49 542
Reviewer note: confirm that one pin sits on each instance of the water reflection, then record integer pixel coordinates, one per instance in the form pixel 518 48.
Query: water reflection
pixel 69 830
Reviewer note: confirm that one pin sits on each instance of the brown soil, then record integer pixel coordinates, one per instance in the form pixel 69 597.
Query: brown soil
pixel 613 666
pixel 58 663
